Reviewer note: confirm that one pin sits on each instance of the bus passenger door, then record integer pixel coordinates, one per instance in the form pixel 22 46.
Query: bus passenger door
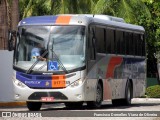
pixel 91 58
pixel 90 85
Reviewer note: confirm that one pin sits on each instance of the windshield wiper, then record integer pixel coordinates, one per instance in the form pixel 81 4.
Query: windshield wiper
pixel 59 61
pixel 35 63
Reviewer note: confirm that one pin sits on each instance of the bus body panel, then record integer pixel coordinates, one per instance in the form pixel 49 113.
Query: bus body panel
pixel 114 71
pixel 71 94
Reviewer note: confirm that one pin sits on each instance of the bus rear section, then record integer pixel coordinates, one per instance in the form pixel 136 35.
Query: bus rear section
pixel 117 58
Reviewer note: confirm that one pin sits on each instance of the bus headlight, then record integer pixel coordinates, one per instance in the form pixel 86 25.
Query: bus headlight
pixel 18 83
pixel 77 83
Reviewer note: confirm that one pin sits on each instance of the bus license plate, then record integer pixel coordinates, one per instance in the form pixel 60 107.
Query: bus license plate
pixel 48 99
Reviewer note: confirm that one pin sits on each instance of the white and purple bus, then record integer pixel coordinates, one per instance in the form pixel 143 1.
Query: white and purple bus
pixel 86 58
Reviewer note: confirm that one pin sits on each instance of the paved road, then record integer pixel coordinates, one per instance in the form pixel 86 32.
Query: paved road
pixel 59 112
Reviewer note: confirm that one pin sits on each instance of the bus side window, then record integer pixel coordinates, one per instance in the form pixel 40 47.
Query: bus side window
pixel 119 41
pixel 143 45
pixel 126 37
pixel 139 46
pixel 100 40
pixel 129 42
pixel 135 49
pixel 137 43
pixel 110 41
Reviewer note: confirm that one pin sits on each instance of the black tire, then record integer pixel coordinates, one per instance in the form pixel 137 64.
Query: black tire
pixel 128 96
pixel 73 104
pixel 99 98
pixel 34 106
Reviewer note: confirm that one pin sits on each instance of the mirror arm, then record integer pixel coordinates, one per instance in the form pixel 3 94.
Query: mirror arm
pixel 11 36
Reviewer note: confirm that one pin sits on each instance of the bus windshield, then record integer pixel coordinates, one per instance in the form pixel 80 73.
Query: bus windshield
pixel 65 46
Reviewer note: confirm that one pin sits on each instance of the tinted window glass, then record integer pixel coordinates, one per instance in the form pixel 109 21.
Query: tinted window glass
pixel 139 45
pixel 143 45
pixel 119 41
pixel 110 41
pixel 100 40
pixel 126 36
pixel 135 44
pixel 131 47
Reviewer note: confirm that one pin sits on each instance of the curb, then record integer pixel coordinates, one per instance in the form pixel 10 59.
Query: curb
pixel 12 104
pixel 16 104
pixel 147 99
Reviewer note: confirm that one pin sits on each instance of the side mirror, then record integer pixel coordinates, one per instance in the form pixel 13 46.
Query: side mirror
pixel 11 40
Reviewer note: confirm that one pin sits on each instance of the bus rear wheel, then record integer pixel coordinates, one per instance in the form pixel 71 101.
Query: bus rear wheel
pixel 99 97
pixel 34 106
pixel 128 96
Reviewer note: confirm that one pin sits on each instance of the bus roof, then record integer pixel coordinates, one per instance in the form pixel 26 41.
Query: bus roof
pixel 80 19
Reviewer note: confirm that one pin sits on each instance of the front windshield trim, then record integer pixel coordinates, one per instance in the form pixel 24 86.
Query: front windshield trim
pixel 17 48
pixel 49 72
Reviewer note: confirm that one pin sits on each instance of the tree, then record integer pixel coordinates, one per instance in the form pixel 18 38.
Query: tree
pixel 10 16
pixel 152 36
pixel 121 8
pixel 40 7
pixel 5 22
pixel 14 14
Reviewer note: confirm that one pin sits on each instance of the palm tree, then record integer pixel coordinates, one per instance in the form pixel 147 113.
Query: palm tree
pixel 130 10
pixel 14 14
pixel 5 22
pixel 34 7
pixel 10 19
pixel 7 6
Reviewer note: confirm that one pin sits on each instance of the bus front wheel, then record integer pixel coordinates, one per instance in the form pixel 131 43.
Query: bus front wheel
pixel 99 97
pixel 34 106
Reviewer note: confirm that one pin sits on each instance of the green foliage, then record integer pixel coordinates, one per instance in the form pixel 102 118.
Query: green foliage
pixel 152 28
pixel 153 91
pixel 127 9
pixel 36 7
pixel 99 7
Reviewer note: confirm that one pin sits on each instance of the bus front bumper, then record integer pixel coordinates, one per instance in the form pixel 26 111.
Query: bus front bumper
pixel 68 94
